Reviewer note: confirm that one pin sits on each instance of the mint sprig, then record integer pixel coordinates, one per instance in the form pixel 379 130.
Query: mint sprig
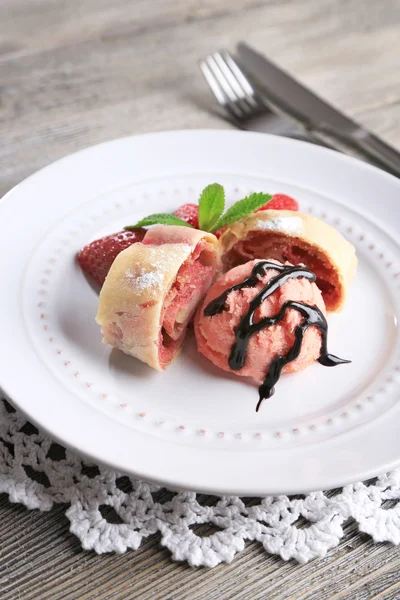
pixel 211 206
pixel 161 219
pixel 241 208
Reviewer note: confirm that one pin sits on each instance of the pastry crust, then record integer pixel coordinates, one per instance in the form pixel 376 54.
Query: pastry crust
pixel 132 302
pixel 298 238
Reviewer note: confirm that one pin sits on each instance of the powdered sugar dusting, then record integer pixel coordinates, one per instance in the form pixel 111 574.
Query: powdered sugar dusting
pixel 151 278
pixel 145 281
pixel 289 225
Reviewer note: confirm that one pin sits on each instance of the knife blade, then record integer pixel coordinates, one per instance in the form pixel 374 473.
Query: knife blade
pixel 312 111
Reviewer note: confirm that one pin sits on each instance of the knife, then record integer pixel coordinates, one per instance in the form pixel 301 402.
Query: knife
pixel 313 112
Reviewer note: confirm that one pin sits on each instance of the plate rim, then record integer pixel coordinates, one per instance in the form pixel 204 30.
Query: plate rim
pixel 168 481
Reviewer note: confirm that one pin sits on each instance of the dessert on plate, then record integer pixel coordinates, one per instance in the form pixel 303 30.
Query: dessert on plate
pixel 266 315
pixel 152 291
pixel 300 239
pixel 263 318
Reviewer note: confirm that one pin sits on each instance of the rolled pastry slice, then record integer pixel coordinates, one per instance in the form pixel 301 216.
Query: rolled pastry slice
pixel 286 235
pixel 152 290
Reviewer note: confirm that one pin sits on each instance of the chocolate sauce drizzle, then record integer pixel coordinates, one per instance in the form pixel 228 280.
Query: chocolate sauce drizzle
pixel 247 327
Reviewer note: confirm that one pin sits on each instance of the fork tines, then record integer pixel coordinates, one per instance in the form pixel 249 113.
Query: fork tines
pixel 230 86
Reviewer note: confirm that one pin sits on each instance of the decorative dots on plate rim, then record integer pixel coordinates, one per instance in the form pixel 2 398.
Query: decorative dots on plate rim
pixel 337 221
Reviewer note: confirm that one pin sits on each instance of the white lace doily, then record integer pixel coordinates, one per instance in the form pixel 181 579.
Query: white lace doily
pixel 110 512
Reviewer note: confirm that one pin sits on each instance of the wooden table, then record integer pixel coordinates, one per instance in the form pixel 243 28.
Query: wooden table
pixel 77 72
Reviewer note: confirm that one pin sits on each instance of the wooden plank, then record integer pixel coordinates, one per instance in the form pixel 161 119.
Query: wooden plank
pixel 67 23
pixel 50 564
pixel 61 98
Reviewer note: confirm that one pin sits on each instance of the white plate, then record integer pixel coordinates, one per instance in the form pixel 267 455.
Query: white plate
pixel 195 427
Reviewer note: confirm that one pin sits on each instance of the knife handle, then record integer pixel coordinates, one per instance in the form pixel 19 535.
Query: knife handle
pixel 368 145
pixel 378 149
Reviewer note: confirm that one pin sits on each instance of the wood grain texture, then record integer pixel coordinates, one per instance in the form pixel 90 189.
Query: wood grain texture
pixel 78 72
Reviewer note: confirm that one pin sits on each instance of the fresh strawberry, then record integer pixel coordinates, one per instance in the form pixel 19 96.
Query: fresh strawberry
pixel 97 257
pixel 219 232
pixel 189 213
pixel 280 202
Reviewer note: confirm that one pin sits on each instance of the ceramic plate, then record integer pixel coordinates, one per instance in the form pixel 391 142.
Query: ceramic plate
pixel 195 427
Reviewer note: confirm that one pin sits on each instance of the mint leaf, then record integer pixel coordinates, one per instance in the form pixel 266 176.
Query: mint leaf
pixel 159 218
pixel 211 206
pixel 242 208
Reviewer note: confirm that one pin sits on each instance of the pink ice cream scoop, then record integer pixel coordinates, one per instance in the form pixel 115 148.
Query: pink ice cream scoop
pixel 292 296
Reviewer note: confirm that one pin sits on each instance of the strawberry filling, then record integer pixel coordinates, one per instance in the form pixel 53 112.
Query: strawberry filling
pixel 279 247
pixel 190 286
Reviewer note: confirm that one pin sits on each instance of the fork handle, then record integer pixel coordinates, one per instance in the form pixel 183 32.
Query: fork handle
pixel 308 137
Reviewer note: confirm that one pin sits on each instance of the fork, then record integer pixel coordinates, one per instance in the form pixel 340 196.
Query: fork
pixel 243 105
